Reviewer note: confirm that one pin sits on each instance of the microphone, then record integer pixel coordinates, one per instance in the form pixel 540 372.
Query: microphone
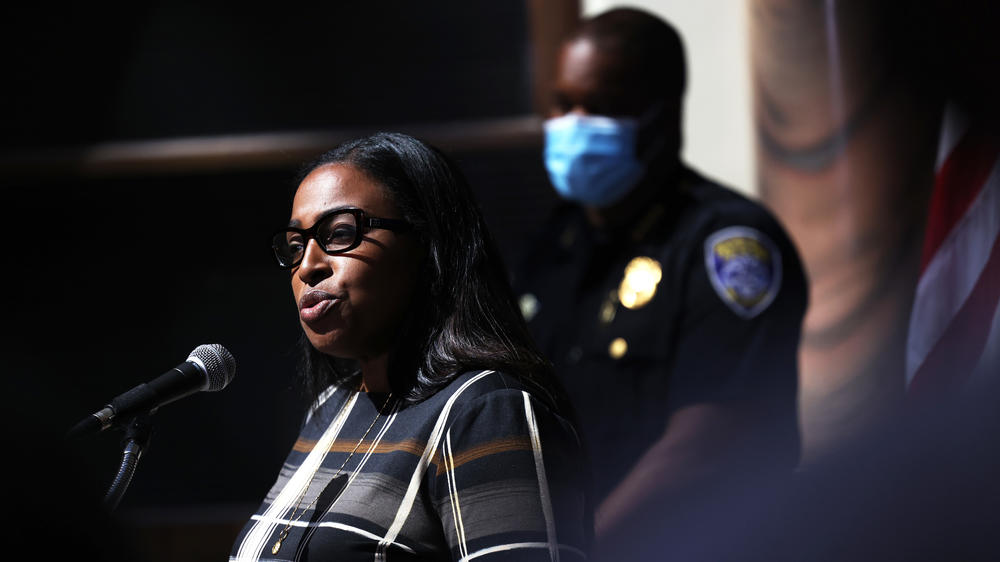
pixel 209 367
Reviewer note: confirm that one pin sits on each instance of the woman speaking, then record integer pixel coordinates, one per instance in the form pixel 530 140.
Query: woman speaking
pixel 436 430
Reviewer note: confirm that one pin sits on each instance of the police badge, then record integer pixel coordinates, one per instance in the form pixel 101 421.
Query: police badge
pixel 638 286
pixel 744 267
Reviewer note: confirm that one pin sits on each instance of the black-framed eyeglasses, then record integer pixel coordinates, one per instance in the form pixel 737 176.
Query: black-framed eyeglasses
pixel 336 232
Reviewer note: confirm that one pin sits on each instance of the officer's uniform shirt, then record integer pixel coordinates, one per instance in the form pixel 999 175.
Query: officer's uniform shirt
pixel 701 299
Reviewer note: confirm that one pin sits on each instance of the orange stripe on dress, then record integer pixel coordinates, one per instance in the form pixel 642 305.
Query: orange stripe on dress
pixel 484 450
pixel 346 446
pixel 416 448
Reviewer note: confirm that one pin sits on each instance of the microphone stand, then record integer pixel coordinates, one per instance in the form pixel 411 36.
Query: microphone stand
pixel 137 434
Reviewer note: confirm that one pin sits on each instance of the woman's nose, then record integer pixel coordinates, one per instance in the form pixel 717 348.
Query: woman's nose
pixel 315 265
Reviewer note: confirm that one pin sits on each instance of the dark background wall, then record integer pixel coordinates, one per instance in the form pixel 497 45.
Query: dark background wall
pixel 114 276
pixel 152 69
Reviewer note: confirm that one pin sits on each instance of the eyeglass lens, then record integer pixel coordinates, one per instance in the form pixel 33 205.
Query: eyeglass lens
pixel 335 232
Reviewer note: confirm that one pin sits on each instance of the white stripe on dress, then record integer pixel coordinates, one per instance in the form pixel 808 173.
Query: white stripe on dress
pixel 261 534
pixel 543 484
pixel 320 400
pixel 519 545
pixel 340 526
pixel 411 493
pixel 456 507
pixel 300 549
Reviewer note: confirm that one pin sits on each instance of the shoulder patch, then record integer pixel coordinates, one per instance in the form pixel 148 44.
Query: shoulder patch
pixel 744 267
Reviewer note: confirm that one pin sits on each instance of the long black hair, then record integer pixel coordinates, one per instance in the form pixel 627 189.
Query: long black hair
pixel 464 315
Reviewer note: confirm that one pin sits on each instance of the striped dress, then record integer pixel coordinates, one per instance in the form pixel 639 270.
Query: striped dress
pixel 479 471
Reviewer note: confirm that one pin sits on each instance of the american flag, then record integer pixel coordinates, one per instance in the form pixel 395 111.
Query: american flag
pixel 954 333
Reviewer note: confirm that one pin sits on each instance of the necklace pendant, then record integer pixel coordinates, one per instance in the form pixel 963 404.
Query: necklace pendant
pixel 277 544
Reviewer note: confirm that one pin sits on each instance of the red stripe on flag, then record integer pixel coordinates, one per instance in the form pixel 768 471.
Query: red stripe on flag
pixel 957 184
pixel 955 355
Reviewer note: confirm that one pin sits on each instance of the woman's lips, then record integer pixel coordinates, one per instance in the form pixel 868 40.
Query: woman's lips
pixel 315 304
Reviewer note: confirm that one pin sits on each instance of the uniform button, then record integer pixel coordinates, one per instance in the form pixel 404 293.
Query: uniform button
pixel 574 354
pixel 529 306
pixel 618 348
pixel 609 308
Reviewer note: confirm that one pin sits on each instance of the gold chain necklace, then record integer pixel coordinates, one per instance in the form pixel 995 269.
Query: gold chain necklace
pixel 293 519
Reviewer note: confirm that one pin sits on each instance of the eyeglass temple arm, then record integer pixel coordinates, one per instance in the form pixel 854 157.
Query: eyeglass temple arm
pixel 390 224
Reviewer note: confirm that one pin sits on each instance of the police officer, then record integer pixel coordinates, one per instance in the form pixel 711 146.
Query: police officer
pixel 670 305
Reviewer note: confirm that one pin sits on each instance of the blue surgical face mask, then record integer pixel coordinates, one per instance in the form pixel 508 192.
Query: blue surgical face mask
pixel 592 159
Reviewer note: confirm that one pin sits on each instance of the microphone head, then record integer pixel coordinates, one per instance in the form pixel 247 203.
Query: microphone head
pixel 218 363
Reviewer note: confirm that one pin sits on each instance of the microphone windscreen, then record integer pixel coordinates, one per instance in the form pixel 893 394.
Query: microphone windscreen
pixel 219 364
